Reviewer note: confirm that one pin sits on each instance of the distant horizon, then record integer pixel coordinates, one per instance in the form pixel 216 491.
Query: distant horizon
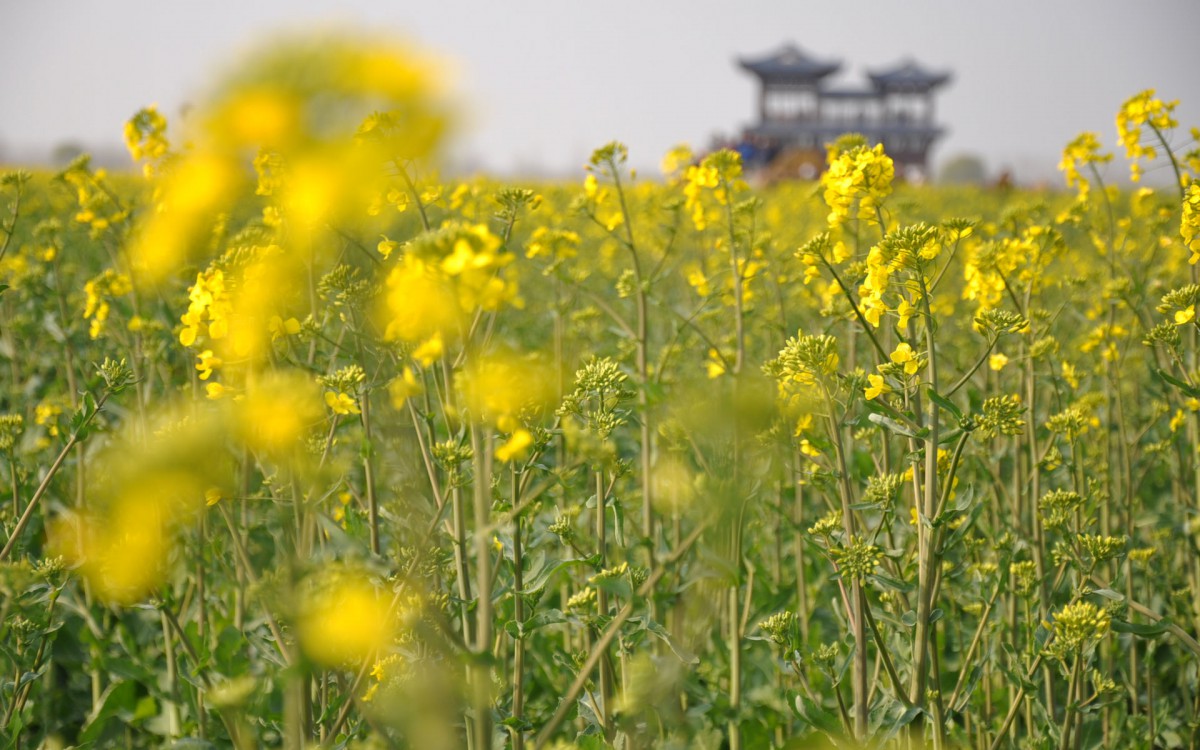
pixel 114 156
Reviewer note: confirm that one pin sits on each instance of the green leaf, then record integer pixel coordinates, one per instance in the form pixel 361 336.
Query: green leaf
pixel 943 402
pixel 146 708
pixel 817 717
pixel 890 583
pixel 1144 630
pixel 1189 390
pixel 26 678
pixel 888 730
pixel 519 724
pixel 119 701
pixel 946 438
pixel 542 569
pixel 543 618
pixel 616 585
pixel 1116 596
pixel 538 620
pixel 969 688
pixel 591 742
pixel 685 656
pixel 15 726
pixel 893 425
pixel 963 500
pixel 228 656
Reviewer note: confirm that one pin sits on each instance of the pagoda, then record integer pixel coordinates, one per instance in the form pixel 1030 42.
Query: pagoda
pixel 799 112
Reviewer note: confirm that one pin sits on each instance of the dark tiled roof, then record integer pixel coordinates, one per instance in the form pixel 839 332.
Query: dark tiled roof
pixel 908 75
pixel 789 62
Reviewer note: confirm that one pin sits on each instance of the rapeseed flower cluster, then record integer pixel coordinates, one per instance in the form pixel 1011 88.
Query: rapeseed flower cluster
pixel 146 139
pixel 856 183
pixel 805 360
pixel 209 309
pixel 718 174
pixel 1189 223
pixel 100 291
pixel 442 278
pixel 1141 110
pixel 1080 624
pixel 858 559
pixel 1082 152
pixel 99 207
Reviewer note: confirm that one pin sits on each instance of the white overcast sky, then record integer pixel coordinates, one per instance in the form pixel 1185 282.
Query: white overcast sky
pixel 545 81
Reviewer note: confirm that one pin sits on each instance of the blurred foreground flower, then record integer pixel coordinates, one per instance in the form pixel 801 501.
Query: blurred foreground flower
pixel 297 107
pixel 343 618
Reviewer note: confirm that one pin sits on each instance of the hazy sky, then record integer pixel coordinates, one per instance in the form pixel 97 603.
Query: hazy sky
pixel 545 81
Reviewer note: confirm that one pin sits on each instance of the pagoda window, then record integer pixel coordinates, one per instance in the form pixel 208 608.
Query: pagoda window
pixel 785 102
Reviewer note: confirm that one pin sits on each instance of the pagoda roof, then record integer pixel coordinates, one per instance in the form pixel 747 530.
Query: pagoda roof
pixel 908 75
pixel 789 62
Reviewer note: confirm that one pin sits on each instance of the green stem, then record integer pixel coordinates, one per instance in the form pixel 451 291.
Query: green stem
pixel 927 560
pixel 1069 710
pixel 606 678
pixel 11 229
pixel 963 671
pixel 967 376
pixel 412 190
pixel 866 325
pixel 369 472
pixel 885 655
pixel 858 624
pixel 1174 162
pixel 172 677
pixel 567 703
pixel 45 484
pixel 518 676
pixel 641 354
pixel 481 674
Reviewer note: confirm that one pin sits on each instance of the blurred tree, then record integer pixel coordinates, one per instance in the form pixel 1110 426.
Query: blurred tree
pixel 963 169
pixel 64 153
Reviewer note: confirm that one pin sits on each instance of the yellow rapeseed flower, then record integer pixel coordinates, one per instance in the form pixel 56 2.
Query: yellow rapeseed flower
pixel 876 387
pixel 1189 224
pixel 404 387
pixel 1140 110
pixel 278 327
pixel 341 403
pixel 1081 152
pixel 904 355
pixel 856 183
pixel 515 447
pixel 207 364
pixel 386 247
